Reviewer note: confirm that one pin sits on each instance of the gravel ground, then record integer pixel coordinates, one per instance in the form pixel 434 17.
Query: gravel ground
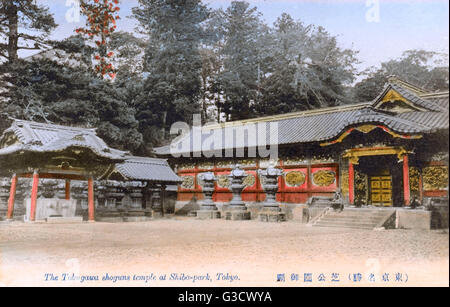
pixel 247 253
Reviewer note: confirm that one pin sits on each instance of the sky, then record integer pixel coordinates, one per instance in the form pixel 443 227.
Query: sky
pixel 380 29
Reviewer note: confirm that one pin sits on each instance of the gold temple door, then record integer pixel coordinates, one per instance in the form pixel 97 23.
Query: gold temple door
pixel 381 191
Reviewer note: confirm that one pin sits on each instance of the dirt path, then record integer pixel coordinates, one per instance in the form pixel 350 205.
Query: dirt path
pixel 247 253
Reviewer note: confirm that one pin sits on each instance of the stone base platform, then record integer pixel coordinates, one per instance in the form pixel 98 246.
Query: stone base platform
pixel 124 219
pixel 65 220
pixel 135 219
pixel 156 214
pixel 208 214
pixel 267 216
pixel 237 215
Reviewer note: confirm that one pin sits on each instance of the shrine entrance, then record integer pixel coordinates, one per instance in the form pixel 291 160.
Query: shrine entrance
pixel 381 191
pixel 378 181
pixel 378 177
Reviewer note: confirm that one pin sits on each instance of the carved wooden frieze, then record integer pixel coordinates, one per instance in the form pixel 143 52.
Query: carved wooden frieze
pixel 295 161
pixel 268 162
pixel 322 159
pixel 223 181
pixel 435 178
pixel 249 181
pixel 247 163
pixel 188 182
pixel 186 166
pixel 414 178
pixel 295 178
pixel 206 165
pixel 225 164
pixel 324 178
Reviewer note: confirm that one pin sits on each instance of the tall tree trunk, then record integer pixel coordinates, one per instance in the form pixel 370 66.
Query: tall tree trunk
pixel 13 35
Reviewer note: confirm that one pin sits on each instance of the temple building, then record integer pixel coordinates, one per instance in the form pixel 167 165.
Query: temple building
pixel 389 152
pixel 45 154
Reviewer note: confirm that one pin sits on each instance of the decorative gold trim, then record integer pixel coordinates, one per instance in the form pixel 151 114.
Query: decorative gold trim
pixel 324 178
pixel 354 154
pixel 295 178
pixel 435 178
pixel 393 96
pixel 369 128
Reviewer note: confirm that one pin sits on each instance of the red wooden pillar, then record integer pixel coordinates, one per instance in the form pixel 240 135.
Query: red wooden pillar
pixel 91 205
pixel 34 192
pixel 67 189
pixel 406 191
pixel 12 196
pixel 351 183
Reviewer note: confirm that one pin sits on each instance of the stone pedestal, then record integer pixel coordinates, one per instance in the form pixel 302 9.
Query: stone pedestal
pixel 236 209
pixel 271 216
pixel 271 211
pixel 208 210
pixel 208 214
pixel 5 186
pixel 237 215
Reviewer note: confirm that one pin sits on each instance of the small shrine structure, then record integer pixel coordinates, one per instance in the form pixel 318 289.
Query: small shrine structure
pixel 46 151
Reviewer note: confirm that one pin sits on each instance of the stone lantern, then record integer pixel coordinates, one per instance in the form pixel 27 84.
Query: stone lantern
pixel 271 211
pixel 236 207
pixel 208 210
pixel 5 185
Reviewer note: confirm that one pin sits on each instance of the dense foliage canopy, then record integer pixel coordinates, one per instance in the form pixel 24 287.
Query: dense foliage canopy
pixel 183 59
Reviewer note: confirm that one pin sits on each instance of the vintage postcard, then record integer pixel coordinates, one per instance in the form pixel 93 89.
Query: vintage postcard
pixel 229 144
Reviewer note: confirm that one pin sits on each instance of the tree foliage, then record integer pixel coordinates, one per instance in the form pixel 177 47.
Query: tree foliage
pixel 172 63
pixel 101 18
pixel 24 25
pixel 184 58
pixel 422 68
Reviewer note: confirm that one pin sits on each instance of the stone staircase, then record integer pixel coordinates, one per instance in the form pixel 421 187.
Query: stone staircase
pixel 358 218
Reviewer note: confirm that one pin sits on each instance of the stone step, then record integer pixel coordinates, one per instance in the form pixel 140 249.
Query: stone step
pixel 343 222
pixel 367 227
pixel 340 215
pixel 362 211
pixel 353 218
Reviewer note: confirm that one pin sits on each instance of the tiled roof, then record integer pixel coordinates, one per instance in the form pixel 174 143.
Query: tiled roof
pixel 410 96
pixel 38 137
pixel 147 169
pixel 327 124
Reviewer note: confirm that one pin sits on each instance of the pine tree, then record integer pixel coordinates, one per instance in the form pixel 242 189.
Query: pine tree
pixel 49 89
pixel 19 21
pixel 306 69
pixel 241 29
pixel 172 61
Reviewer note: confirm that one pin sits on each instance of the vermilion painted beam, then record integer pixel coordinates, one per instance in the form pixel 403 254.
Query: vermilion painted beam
pixel 67 189
pixel 12 196
pixel 55 176
pixel 351 183
pixel 406 191
pixel 91 205
pixel 34 191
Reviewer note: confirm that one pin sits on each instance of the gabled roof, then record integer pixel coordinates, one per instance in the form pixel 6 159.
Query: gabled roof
pixel 417 102
pixel 428 114
pixel 40 138
pixel 146 169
